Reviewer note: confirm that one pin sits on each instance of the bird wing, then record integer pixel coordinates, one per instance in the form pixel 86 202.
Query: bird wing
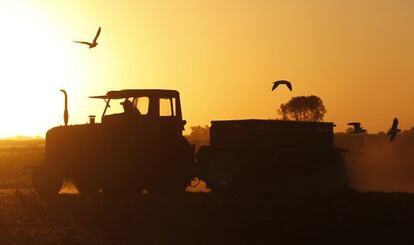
pixel 285 82
pixel 289 85
pixel 275 84
pixel 83 42
pixel 97 35
pixel 395 124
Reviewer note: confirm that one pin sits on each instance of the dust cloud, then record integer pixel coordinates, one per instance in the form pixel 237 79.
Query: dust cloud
pixel 374 163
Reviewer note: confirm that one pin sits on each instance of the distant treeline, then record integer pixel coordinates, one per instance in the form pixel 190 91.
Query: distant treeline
pixel 22 142
pixel 200 135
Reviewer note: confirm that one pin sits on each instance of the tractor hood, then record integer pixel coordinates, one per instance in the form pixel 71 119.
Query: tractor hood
pixel 72 143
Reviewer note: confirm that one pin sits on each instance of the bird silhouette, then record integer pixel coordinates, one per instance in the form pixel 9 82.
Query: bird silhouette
pixel 284 82
pixel 94 43
pixel 357 128
pixel 393 131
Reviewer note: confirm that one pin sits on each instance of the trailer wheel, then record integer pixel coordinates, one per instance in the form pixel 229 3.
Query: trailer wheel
pixel 46 183
pixel 173 173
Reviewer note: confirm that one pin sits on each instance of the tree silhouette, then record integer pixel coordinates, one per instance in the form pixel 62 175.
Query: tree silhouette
pixel 303 108
pixel 199 132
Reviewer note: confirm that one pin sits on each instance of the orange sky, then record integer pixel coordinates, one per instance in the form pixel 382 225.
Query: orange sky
pixel 221 55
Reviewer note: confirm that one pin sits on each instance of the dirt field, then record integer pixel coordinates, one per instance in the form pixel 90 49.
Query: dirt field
pixel 205 219
pixel 343 218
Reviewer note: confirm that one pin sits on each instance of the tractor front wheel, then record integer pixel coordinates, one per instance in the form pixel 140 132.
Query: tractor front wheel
pixel 46 183
pixel 86 186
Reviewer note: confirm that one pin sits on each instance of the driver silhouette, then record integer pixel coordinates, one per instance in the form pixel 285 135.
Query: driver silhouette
pixel 129 109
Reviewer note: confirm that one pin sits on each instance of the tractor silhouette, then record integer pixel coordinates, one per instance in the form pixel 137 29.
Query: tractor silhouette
pixel 140 147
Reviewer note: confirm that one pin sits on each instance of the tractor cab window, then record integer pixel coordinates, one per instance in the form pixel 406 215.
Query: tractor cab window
pixel 142 104
pixel 115 106
pixel 118 106
pixel 167 107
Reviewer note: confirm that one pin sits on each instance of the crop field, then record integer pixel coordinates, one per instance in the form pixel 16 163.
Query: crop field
pixel 193 218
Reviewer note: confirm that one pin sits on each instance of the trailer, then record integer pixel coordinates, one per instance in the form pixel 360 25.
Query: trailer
pixel 272 156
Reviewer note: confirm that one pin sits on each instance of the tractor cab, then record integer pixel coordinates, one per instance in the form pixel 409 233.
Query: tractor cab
pixel 137 106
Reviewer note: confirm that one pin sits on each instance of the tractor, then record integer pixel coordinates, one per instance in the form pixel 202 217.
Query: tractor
pixel 138 145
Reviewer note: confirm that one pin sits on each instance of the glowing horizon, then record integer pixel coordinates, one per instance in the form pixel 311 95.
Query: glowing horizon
pixel 221 56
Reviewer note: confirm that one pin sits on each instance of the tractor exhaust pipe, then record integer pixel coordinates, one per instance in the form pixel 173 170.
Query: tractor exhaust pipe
pixel 65 113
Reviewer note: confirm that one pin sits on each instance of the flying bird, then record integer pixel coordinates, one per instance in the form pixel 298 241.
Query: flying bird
pixel 393 130
pixel 357 128
pixel 284 82
pixel 94 43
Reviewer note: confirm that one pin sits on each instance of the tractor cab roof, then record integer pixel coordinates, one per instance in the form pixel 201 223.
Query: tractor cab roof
pixel 126 93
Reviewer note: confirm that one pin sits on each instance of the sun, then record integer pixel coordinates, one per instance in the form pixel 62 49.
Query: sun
pixel 37 59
